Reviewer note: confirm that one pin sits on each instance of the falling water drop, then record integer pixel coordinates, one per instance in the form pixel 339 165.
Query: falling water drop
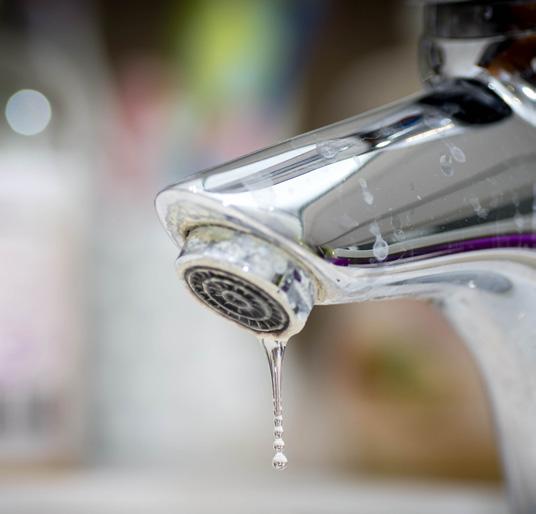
pixel 279 444
pixel 279 462
pixel 275 351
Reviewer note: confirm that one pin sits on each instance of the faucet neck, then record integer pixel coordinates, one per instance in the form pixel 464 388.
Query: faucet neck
pixel 478 19
pixel 479 40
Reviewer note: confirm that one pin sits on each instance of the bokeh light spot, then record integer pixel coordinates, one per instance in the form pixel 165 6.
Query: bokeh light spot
pixel 28 112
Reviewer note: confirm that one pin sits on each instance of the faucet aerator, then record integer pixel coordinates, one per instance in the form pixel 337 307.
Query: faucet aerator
pixel 247 280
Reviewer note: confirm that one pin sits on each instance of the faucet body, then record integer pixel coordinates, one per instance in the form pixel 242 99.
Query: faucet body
pixel 432 197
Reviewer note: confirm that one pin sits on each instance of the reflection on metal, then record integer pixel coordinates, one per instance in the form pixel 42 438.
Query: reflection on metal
pixel 489 282
pixel 431 197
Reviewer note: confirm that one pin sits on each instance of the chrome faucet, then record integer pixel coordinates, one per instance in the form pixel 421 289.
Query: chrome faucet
pixel 432 197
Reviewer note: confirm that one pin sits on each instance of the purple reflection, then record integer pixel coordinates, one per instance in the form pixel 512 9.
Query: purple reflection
pixel 468 245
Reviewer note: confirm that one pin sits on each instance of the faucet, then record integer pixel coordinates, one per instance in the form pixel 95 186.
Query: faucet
pixel 431 197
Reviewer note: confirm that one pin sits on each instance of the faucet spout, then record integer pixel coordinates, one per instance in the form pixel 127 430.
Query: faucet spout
pixel 432 197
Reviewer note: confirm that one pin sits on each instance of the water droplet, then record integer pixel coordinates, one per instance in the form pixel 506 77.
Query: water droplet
pixel 457 153
pixel 445 163
pixel 374 228
pixel 279 444
pixel 329 149
pixel 368 197
pixel 480 211
pixel 380 250
pixel 279 462
pixel 429 121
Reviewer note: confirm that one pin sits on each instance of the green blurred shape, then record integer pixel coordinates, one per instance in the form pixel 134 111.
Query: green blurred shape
pixel 232 50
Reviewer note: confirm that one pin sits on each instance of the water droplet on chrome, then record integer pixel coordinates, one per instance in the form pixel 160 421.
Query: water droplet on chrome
pixel 457 153
pixel 380 250
pixel 368 197
pixel 445 163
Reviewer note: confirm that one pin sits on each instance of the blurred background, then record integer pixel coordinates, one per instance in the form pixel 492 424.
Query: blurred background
pixel 117 391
